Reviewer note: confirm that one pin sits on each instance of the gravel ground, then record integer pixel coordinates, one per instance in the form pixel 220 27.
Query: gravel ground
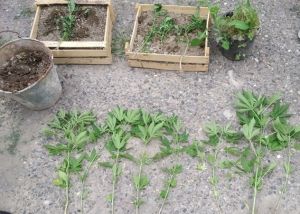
pixel 27 170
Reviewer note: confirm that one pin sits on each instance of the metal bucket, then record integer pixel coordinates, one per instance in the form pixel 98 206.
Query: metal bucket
pixel 46 91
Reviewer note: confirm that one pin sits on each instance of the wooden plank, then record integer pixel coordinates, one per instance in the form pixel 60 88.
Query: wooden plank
pixel 168 66
pixel 189 10
pixel 134 32
pixel 207 27
pixel 107 25
pixel 35 25
pixel 79 53
pixel 83 61
pixel 167 58
pixel 74 44
pixel 83 2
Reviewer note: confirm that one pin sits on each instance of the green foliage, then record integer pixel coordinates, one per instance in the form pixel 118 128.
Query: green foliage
pixel 242 24
pixel 69 21
pixel 264 128
pixel 164 26
pixel 170 182
pixel 72 130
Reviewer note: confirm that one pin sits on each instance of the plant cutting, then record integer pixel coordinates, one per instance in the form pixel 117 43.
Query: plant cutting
pixel 264 128
pixel 73 130
pixel 235 30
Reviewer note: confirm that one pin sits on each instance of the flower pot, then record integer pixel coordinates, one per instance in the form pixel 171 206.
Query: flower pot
pixel 238 49
pixel 43 87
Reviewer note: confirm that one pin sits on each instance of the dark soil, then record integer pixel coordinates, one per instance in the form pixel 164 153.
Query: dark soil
pixel 171 45
pixel 23 70
pixel 90 23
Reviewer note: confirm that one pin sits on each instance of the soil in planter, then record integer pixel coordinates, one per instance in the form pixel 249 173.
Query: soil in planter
pixel 172 44
pixel 23 69
pixel 89 25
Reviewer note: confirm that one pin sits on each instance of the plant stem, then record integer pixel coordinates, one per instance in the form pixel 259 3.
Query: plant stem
pixel 287 176
pixel 83 182
pixel 167 193
pixel 114 184
pixel 67 187
pixel 138 189
pixel 255 191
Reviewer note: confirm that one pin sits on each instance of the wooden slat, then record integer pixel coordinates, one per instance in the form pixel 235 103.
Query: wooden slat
pixel 83 61
pixel 83 2
pixel 167 58
pixel 189 10
pixel 79 53
pixel 168 66
pixel 207 27
pixel 74 44
pixel 107 27
pixel 35 25
pixel 138 13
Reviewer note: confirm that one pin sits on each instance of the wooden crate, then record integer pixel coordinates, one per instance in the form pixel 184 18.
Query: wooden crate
pixel 168 61
pixel 78 52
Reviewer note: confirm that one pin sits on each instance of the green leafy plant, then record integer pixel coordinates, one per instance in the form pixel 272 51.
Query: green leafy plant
pixel 241 24
pixel 69 21
pixel 140 181
pixel 170 183
pixel 73 130
pixel 164 26
pixel 264 128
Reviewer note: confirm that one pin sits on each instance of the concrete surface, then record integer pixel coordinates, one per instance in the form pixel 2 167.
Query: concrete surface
pixel 27 170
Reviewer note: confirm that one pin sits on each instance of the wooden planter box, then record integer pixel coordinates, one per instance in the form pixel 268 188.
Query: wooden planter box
pixel 168 61
pixel 78 52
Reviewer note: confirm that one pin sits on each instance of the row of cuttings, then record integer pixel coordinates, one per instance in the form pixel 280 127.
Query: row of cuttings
pixel 166 37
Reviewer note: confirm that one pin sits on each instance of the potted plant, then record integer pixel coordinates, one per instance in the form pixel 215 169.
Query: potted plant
pixel 235 30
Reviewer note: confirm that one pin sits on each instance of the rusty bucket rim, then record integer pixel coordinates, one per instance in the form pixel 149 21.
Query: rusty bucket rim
pixel 42 77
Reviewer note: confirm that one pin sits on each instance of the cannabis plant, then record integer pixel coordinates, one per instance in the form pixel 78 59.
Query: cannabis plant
pixel 241 24
pixel 264 128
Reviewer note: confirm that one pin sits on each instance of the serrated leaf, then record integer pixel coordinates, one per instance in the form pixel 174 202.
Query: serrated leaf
pixel 239 25
pixel 227 164
pixel 249 130
pixel 106 164
pixel 164 194
pixel 172 183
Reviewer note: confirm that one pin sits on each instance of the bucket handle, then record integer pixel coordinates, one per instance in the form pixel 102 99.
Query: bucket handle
pixel 11 31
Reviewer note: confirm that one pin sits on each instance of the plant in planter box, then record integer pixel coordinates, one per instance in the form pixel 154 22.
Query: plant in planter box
pixel 235 30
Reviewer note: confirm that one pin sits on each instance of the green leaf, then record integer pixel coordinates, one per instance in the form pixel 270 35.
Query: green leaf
pixel 164 194
pixel 172 183
pixel 247 160
pixel 106 165
pixel 116 170
pixel 118 113
pixel 249 131
pixel 280 111
pixel 238 24
pixel 227 164
pixel 132 116
pixel 235 151
pixel 287 168
pixel 211 159
pixel 58 149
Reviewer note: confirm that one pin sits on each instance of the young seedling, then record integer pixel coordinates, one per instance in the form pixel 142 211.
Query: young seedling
pixel 140 181
pixel 170 183
pixel 69 21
